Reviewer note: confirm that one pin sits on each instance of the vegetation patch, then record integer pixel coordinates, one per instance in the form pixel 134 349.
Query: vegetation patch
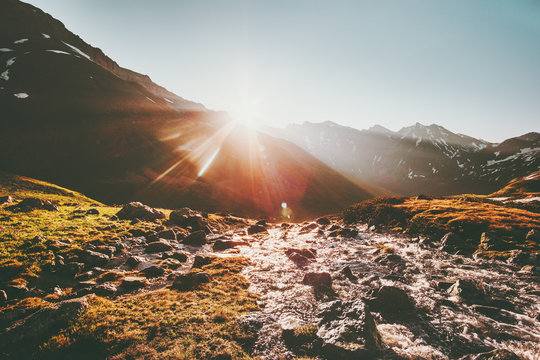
pixel 164 324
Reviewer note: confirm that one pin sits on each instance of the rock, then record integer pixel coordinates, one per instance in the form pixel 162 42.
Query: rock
pixel 92 212
pixel 94 258
pixel 347 330
pixel 255 229
pixel 30 204
pixel 171 264
pixel 347 272
pixel 168 234
pixel 451 242
pixel 179 216
pixel 181 256
pixel 499 354
pixel 153 271
pixel 196 238
pixel 261 222
pixel 43 323
pixel 301 257
pixel 201 261
pixel 190 281
pixel 71 269
pixel 133 282
pixel 348 233
pixel 319 280
pixel 470 291
pixel 220 245
pixel 532 235
pixel 107 250
pixel 136 210
pixel 134 261
pixel 158 246
pixel 4 200
pixel 494 313
pixel 491 242
pixel 183 219
pixel 392 300
pixel 307 228
pixel 323 221
pixel 334 228
pixel 3 297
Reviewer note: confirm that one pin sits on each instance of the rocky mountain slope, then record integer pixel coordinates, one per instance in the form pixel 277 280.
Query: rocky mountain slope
pixel 85 280
pixel 417 159
pixel 73 116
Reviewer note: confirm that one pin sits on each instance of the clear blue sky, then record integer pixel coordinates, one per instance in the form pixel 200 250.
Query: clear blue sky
pixel 472 66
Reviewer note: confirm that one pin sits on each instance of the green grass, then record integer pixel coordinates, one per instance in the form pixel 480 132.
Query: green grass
pixel 159 324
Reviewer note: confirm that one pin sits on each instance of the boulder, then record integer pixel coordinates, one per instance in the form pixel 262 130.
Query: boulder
pixel 347 330
pixel 190 281
pixel 261 222
pixel 392 300
pixel 318 280
pixel 94 258
pixel 153 271
pixel 255 229
pixel 181 256
pixel 196 238
pixel 195 221
pixel 158 246
pixel 136 210
pixel 30 204
pixel 498 354
pixel 43 323
pixel 323 221
pixel 168 234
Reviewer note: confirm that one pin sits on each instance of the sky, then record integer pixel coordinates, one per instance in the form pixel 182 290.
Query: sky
pixel 472 66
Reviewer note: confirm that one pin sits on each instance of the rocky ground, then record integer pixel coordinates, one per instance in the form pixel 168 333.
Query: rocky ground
pixel 137 282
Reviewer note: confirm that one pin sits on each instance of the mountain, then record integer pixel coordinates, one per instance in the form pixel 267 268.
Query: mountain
pixel 73 116
pixel 419 158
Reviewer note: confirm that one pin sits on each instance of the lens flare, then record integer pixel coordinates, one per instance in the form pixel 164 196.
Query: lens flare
pixel 208 163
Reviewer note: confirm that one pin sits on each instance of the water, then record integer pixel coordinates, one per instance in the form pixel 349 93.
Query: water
pixel 444 328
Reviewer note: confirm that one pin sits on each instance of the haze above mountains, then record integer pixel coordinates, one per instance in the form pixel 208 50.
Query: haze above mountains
pixel 73 116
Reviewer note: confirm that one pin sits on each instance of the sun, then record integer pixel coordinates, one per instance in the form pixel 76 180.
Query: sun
pixel 247 111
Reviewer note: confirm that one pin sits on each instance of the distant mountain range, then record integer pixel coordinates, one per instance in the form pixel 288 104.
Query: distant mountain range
pixel 419 158
pixel 71 115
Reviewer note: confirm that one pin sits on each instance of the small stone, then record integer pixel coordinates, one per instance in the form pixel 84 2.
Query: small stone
pixel 323 221
pixel 255 229
pixel 201 261
pixel 3 297
pixel 4 200
pixel 133 283
pixel 220 245
pixel 318 280
pixel 190 281
pixel 158 246
pixel 153 271
pixel 134 261
pixel 347 272
pixel 196 238
pixel 92 212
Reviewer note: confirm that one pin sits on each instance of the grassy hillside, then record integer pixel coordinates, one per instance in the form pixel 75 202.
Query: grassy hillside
pixel 155 324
